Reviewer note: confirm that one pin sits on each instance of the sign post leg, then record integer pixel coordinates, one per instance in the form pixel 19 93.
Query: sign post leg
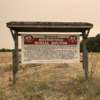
pixel 15 58
pixel 85 55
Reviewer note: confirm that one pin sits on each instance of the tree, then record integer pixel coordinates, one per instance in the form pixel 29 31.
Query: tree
pixel 93 44
pixel 98 42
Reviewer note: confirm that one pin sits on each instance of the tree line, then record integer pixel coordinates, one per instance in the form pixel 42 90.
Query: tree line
pixel 7 50
pixel 93 44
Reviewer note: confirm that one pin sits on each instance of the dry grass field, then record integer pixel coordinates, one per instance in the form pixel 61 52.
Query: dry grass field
pixel 50 81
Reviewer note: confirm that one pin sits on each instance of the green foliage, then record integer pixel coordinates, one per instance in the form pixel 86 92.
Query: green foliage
pixel 85 89
pixel 93 44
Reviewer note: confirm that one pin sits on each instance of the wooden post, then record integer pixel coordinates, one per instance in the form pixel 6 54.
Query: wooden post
pixel 85 55
pixel 15 58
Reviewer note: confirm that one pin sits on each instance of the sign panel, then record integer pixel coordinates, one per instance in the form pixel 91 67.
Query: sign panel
pixel 50 48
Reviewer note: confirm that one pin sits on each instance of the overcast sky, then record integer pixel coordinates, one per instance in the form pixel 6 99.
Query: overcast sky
pixel 47 10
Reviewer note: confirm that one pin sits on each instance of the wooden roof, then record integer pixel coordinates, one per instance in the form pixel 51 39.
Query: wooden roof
pixel 49 26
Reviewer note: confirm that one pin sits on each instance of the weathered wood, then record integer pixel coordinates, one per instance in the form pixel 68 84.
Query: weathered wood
pixel 87 33
pixel 49 26
pixel 14 70
pixel 15 58
pixel 85 55
pixel 12 34
pixel 25 29
pixel 81 61
pixel 46 24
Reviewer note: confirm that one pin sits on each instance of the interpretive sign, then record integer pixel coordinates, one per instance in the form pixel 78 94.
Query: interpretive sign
pixel 50 48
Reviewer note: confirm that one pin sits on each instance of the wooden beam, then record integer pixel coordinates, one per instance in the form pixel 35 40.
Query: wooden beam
pixel 19 34
pixel 87 33
pixel 25 29
pixel 12 34
pixel 85 55
pixel 49 25
pixel 81 61
pixel 15 58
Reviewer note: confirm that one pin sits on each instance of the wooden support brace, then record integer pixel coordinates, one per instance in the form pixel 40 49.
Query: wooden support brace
pixel 13 35
pixel 87 33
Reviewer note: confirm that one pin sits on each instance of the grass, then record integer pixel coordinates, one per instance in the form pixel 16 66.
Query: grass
pixel 78 89
pixel 50 82
pixel 5 57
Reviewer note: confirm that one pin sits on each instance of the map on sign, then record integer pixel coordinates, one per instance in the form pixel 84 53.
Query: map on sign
pixel 50 48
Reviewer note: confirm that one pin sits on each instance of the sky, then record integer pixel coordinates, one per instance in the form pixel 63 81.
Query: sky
pixel 47 10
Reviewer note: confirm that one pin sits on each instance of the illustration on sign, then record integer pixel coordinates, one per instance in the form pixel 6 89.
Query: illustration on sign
pixel 50 48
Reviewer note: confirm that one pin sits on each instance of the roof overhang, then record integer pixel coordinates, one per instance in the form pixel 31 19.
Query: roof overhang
pixel 49 26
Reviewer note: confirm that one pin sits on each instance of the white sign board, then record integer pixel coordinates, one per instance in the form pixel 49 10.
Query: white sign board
pixel 50 48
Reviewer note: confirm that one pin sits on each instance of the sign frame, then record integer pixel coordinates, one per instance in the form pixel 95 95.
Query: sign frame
pixel 46 40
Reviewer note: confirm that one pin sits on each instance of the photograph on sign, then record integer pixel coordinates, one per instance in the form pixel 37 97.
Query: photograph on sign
pixel 50 48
